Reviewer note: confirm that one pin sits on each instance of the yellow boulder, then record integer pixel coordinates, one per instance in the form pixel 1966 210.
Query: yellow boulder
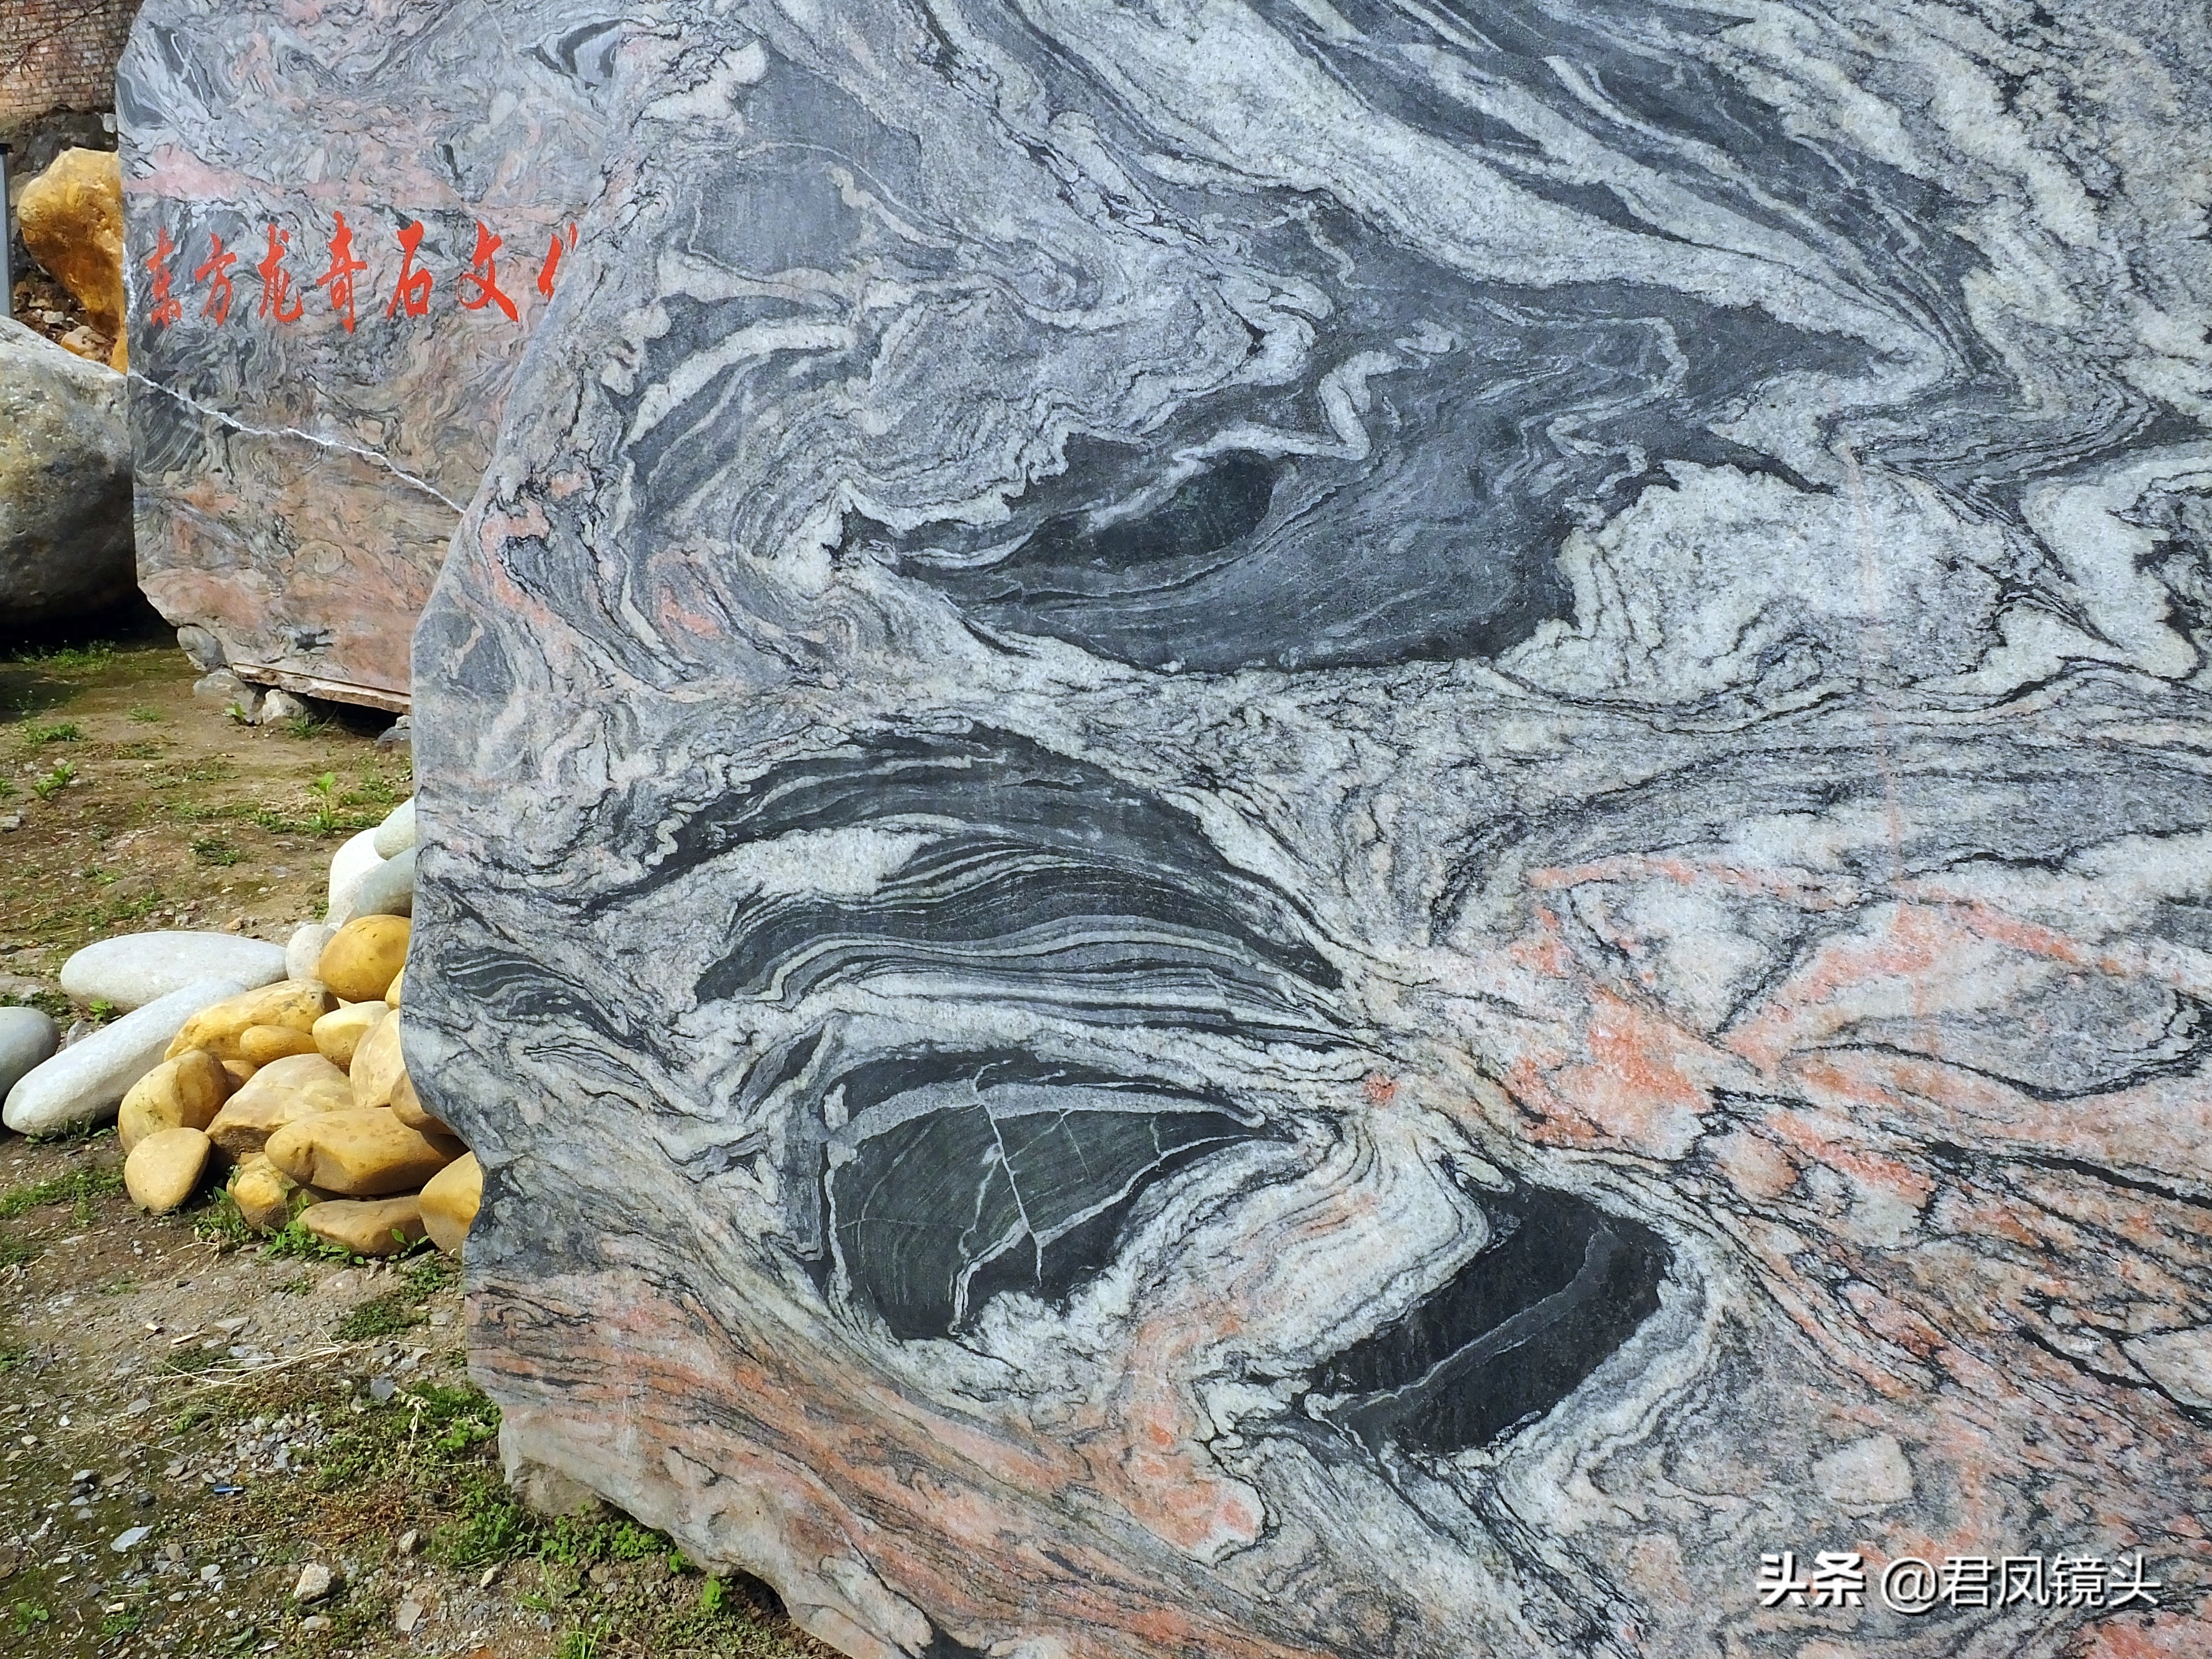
pixel 296 1003
pixel 183 1093
pixel 364 956
pixel 407 1106
pixel 339 1033
pixel 71 217
pixel 263 1194
pixel 281 1092
pixel 364 1152
pixel 377 1227
pixel 391 992
pixel 450 1201
pixel 259 1044
pixel 163 1169
pixel 377 1065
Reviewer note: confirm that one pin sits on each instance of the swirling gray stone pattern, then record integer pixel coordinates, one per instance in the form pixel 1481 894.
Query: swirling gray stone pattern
pixel 1279 829
pixel 299 482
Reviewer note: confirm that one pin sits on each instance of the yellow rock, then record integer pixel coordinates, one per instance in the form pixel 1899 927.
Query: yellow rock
pixel 450 1200
pixel 71 217
pixel 391 991
pixel 263 1194
pixel 338 1034
pixel 281 1092
pixel 365 1153
pixel 259 1044
pixel 378 1227
pixel 364 956
pixel 377 1065
pixel 296 1003
pixel 183 1093
pixel 407 1107
pixel 238 1071
pixel 163 1169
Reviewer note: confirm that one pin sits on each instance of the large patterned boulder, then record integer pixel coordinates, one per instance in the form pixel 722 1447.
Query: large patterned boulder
pixel 1261 830
pixel 344 229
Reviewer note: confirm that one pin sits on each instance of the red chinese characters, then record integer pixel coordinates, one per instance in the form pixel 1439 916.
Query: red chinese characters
pixel 553 261
pixel 414 288
pixel 340 275
pixel 282 302
pixel 165 307
pixel 483 272
pixel 276 282
pixel 218 265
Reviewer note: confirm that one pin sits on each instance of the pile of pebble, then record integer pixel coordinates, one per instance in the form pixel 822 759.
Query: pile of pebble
pixel 281 1067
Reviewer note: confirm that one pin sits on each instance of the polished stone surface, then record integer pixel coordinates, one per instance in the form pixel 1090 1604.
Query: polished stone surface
pixel 1287 829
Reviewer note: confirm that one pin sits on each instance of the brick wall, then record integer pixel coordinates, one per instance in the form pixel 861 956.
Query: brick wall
pixel 59 55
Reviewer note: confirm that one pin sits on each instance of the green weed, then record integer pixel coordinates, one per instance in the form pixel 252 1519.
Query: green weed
pixel 67 732
pixel 214 849
pixel 48 787
pixel 147 716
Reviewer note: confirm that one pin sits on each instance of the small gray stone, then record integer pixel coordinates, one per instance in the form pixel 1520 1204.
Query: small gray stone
pixel 28 1038
pixel 305 951
pixel 315 1583
pixel 387 890
pixel 205 650
pixel 65 542
pixel 225 690
pixel 142 968
pixel 397 833
pixel 86 1083
pixel 283 705
pixel 130 1539
pixel 381 1389
pixel 400 734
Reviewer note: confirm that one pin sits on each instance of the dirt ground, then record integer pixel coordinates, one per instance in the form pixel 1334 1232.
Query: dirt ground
pixel 191 1416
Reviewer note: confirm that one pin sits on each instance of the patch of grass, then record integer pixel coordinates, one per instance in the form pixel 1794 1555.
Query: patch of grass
pixel 147 716
pixel 299 1286
pixel 93 654
pixel 190 1418
pixel 12 1354
pixel 79 1187
pixel 295 1242
pixel 426 1275
pixel 48 787
pixel 14 1252
pixel 105 878
pixel 67 732
pixel 190 1362
pixel 54 1005
pixel 214 849
pixel 132 910
pixel 29 1615
pixel 222 1224
pixel 304 726
pixel 125 1623
pixel 153 749
pixel 385 1316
